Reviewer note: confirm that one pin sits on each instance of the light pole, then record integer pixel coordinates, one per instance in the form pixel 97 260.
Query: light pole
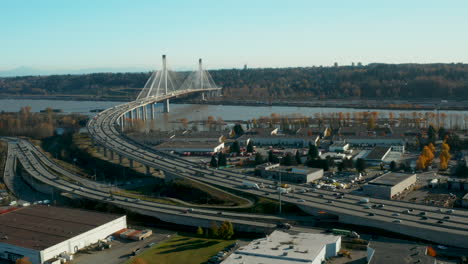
pixel 279 192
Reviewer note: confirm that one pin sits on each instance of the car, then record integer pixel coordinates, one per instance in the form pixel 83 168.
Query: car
pixel 367 207
pixel 395 214
pixel 284 225
pixel 396 221
pixel 422 213
pixel 451 211
pixel 440 222
pixel 371 214
pixel 424 218
pixel 301 200
pixel 150 244
pixel 442 247
pixel 220 213
pixel 330 201
pixel 380 205
pixel 446 217
pixel 321 195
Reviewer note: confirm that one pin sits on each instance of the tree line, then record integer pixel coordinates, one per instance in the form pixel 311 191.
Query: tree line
pixel 391 81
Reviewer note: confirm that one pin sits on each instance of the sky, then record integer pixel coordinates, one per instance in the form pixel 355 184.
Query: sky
pixel 133 34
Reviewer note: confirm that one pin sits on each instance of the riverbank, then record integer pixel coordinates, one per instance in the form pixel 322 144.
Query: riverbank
pixel 408 105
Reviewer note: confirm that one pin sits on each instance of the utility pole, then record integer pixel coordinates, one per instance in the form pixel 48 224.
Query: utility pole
pixel 279 192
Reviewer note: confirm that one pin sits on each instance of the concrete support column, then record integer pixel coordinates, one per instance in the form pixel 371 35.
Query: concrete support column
pixel 152 111
pixel 138 113
pixel 203 97
pixel 131 163
pixel 105 152
pixel 111 155
pixel 120 159
pixel 166 106
pixel 145 114
pixel 98 148
pixel 122 125
pixel 148 170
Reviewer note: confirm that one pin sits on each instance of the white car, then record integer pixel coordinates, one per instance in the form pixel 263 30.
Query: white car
pixel 301 200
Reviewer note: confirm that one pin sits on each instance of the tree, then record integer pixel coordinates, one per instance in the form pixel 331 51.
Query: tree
pixel 222 159
pixel 297 157
pixel 313 151
pixel 213 162
pixel 442 133
pixel 371 123
pixel 272 157
pixel 214 230
pixel 444 156
pixel 250 146
pixel 226 230
pixel 259 159
pixel 235 148
pixel 393 165
pixel 462 170
pixel 360 165
pixel 23 260
pixel 238 130
pixel 431 133
pixel 200 231
pixel 287 160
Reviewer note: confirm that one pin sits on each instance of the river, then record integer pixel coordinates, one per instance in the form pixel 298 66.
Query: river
pixel 202 112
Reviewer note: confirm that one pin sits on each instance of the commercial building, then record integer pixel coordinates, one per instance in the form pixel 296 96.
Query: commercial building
pixel 377 155
pixel 271 137
pixel 339 147
pixel 196 147
pixel 289 173
pixel 287 248
pixel 46 233
pixel 389 185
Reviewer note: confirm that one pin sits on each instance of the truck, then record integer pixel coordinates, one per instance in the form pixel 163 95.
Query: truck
pixel 250 185
pixel 344 232
pixel 284 185
pixel 283 190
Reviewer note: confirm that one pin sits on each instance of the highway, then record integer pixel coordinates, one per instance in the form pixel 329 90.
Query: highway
pixel 453 231
pixel 46 171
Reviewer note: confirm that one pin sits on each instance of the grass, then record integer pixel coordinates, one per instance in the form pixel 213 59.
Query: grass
pixel 185 249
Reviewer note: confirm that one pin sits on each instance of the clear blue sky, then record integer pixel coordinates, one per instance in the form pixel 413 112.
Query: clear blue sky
pixel 60 34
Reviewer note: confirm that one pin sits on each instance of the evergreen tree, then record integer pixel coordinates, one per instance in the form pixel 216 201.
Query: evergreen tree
pixel 238 130
pixel 313 151
pixel 250 147
pixel 431 133
pixel 222 159
pixel 259 159
pixel 213 162
pixel 287 160
pixel 297 157
pixel 272 157
pixel 235 148
pixel 393 165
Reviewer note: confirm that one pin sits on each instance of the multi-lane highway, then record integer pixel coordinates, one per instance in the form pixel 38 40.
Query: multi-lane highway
pixel 47 173
pixel 438 224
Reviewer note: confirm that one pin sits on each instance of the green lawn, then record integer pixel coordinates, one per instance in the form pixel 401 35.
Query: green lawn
pixel 183 249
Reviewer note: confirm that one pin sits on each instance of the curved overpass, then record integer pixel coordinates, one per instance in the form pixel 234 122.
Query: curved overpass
pixel 105 131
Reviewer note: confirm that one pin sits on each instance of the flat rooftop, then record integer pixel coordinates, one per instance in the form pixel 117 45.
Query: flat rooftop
pixel 188 145
pixel 282 248
pixel 404 253
pixel 378 153
pixel 390 179
pixel 39 227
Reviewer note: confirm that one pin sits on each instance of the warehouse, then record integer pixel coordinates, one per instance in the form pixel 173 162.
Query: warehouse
pixel 377 155
pixel 287 248
pixel 194 147
pixel 45 233
pixel 389 185
pixel 289 173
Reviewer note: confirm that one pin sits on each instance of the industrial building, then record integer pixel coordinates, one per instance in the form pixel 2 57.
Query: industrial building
pixel 195 147
pixel 398 252
pixel 339 147
pixel 377 155
pixel 389 185
pixel 44 234
pixel 287 248
pixel 289 173
pixel 271 137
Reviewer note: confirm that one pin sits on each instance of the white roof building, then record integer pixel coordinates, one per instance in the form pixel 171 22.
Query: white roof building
pixel 287 248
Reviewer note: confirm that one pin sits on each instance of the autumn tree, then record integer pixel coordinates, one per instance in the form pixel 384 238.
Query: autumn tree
pixel 226 230
pixel 444 156
pixel 214 229
pixel 200 231
pixel 23 260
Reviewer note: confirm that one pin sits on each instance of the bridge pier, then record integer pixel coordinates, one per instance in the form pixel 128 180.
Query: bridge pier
pixel 131 163
pixel 166 106
pixel 148 170
pixel 105 152
pixel 145 113
pixel 152 111
pixel 111 154
pixel 138 113
pixel 120 159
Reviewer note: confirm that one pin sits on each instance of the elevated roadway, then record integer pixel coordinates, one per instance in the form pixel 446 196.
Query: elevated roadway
pixel 106 132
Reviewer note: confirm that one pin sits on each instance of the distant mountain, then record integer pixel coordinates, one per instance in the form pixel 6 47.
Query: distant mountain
pixel 28 71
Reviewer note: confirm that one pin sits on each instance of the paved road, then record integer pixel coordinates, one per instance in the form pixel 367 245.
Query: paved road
pixel 104 131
